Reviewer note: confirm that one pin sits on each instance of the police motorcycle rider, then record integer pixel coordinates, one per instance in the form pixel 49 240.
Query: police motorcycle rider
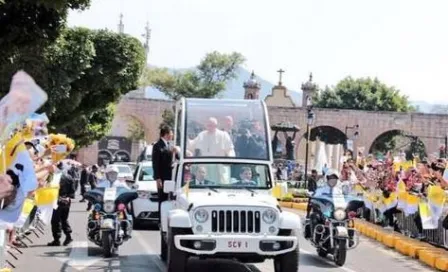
pixel 111 181
pixel 333 186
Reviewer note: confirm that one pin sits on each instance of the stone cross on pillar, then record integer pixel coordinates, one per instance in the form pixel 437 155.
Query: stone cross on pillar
pixel 280 72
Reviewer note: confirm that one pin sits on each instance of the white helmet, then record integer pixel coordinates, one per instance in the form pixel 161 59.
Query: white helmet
pixel 111 169
pixel 332 173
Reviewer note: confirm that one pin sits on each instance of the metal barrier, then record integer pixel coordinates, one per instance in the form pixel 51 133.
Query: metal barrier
pixel 407 226
pixel 33 225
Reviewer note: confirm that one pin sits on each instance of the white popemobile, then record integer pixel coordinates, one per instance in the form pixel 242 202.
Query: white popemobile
pixel 221 203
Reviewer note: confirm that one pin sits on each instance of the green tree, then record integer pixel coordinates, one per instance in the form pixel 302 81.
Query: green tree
pixel 84 72
pixel 27 27
pixel 136 132
pixel 363 94
pixel 168 118
pixel 369 95
pixel 90 127
pixel 106 66
pixel 206 80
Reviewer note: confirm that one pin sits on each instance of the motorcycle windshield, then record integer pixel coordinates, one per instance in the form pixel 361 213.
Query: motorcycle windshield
pixel 330 202
pixel 123 195
pixel 338 200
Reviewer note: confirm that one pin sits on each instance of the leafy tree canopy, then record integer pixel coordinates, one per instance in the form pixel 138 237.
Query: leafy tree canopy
pixel 135 129
pixel 84 73
pixel 207 80
pixel 33 22
pixel 363 94
pixel 84 85
pixel 371 95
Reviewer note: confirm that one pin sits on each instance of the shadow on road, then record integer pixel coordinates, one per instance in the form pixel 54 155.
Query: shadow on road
pixel 214 265
pixel 312 260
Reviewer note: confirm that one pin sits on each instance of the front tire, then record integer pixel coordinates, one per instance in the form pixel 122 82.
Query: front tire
pixel 322 253
pixel 288 262
pixel 176 259
pixel 135 222
pixel 108 244
pixel 340 254
pixel 163 246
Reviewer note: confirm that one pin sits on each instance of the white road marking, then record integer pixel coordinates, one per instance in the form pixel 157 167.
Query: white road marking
pixel 79 257
pixel 149 250
pixel 346 269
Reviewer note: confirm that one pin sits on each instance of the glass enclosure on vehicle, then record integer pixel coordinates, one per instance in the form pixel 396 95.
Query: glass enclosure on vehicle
pixel 146 173
pixel 216 128
pixel 227 175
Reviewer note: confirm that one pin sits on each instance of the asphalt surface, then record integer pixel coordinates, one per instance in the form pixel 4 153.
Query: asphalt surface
pixel 141 253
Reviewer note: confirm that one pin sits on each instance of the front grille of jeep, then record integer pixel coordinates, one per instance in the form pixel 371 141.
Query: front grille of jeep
pixel 229 221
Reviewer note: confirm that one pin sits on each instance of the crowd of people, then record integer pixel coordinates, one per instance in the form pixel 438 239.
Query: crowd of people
pixel 384 183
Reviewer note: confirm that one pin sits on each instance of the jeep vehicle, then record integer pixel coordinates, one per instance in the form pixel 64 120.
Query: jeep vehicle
pixel 220 197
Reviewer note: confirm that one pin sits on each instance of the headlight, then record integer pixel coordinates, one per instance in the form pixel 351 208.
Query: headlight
pixel 201 215
pixel 109 207
pixel 269 216
pixel 339 214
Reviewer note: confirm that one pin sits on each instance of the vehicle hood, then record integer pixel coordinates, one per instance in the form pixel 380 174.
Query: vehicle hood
pixel 228 198
pixel 150 186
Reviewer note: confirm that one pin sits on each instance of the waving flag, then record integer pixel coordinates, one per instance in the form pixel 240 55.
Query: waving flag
pixel 24 98
pixel 401 195
pixel 436 201
pixel 18 164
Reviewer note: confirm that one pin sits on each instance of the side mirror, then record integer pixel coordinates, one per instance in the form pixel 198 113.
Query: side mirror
pixel 130 181
pixel 169 186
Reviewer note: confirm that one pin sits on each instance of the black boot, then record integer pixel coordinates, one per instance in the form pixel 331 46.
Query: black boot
pixel 54 243
pixel 67 240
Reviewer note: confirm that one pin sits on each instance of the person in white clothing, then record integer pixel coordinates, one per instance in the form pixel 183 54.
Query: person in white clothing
pixel 333 186
pixel 212 142
pixel 111 179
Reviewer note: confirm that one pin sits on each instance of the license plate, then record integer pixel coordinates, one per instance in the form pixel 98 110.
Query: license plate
pixel 237 244
pixel 107 224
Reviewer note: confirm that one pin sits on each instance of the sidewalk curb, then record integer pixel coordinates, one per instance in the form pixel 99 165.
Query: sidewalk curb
pixel 434 257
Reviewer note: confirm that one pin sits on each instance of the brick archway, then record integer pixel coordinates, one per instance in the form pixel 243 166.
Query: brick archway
pixel 301 140
pixel 147 111
pixel 397 131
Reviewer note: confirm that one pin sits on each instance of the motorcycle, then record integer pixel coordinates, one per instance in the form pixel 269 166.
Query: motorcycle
pixel 330 226
pixel 109 224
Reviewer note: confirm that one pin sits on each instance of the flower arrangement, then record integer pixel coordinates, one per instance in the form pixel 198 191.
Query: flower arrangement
pixel 60 146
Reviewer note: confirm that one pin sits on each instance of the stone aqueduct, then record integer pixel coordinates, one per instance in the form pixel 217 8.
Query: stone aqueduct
pixel 430 128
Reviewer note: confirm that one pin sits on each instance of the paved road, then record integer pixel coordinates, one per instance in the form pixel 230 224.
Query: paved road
pixel 141 254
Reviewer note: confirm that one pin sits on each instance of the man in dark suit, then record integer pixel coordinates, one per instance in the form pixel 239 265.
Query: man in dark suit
pixel 162 159
pixel 199 177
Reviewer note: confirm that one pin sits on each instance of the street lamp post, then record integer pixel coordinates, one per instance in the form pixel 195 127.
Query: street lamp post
pixel 309 123
pixel 446 146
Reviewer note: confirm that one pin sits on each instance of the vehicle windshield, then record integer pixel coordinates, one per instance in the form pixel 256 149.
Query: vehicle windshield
pixel 146 174
pixel 124 169
pixel 226 175
pixel 216 128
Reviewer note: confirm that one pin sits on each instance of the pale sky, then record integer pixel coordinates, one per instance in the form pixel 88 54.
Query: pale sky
pixel 403 43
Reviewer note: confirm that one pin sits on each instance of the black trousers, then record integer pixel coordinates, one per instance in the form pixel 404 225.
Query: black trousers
pixel 83 189
pixel 59 221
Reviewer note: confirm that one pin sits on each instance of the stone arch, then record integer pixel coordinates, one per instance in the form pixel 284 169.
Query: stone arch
pixel 123 153
pixel 328 134
pixel 135 128
pixel 396 140
pixel 104 157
